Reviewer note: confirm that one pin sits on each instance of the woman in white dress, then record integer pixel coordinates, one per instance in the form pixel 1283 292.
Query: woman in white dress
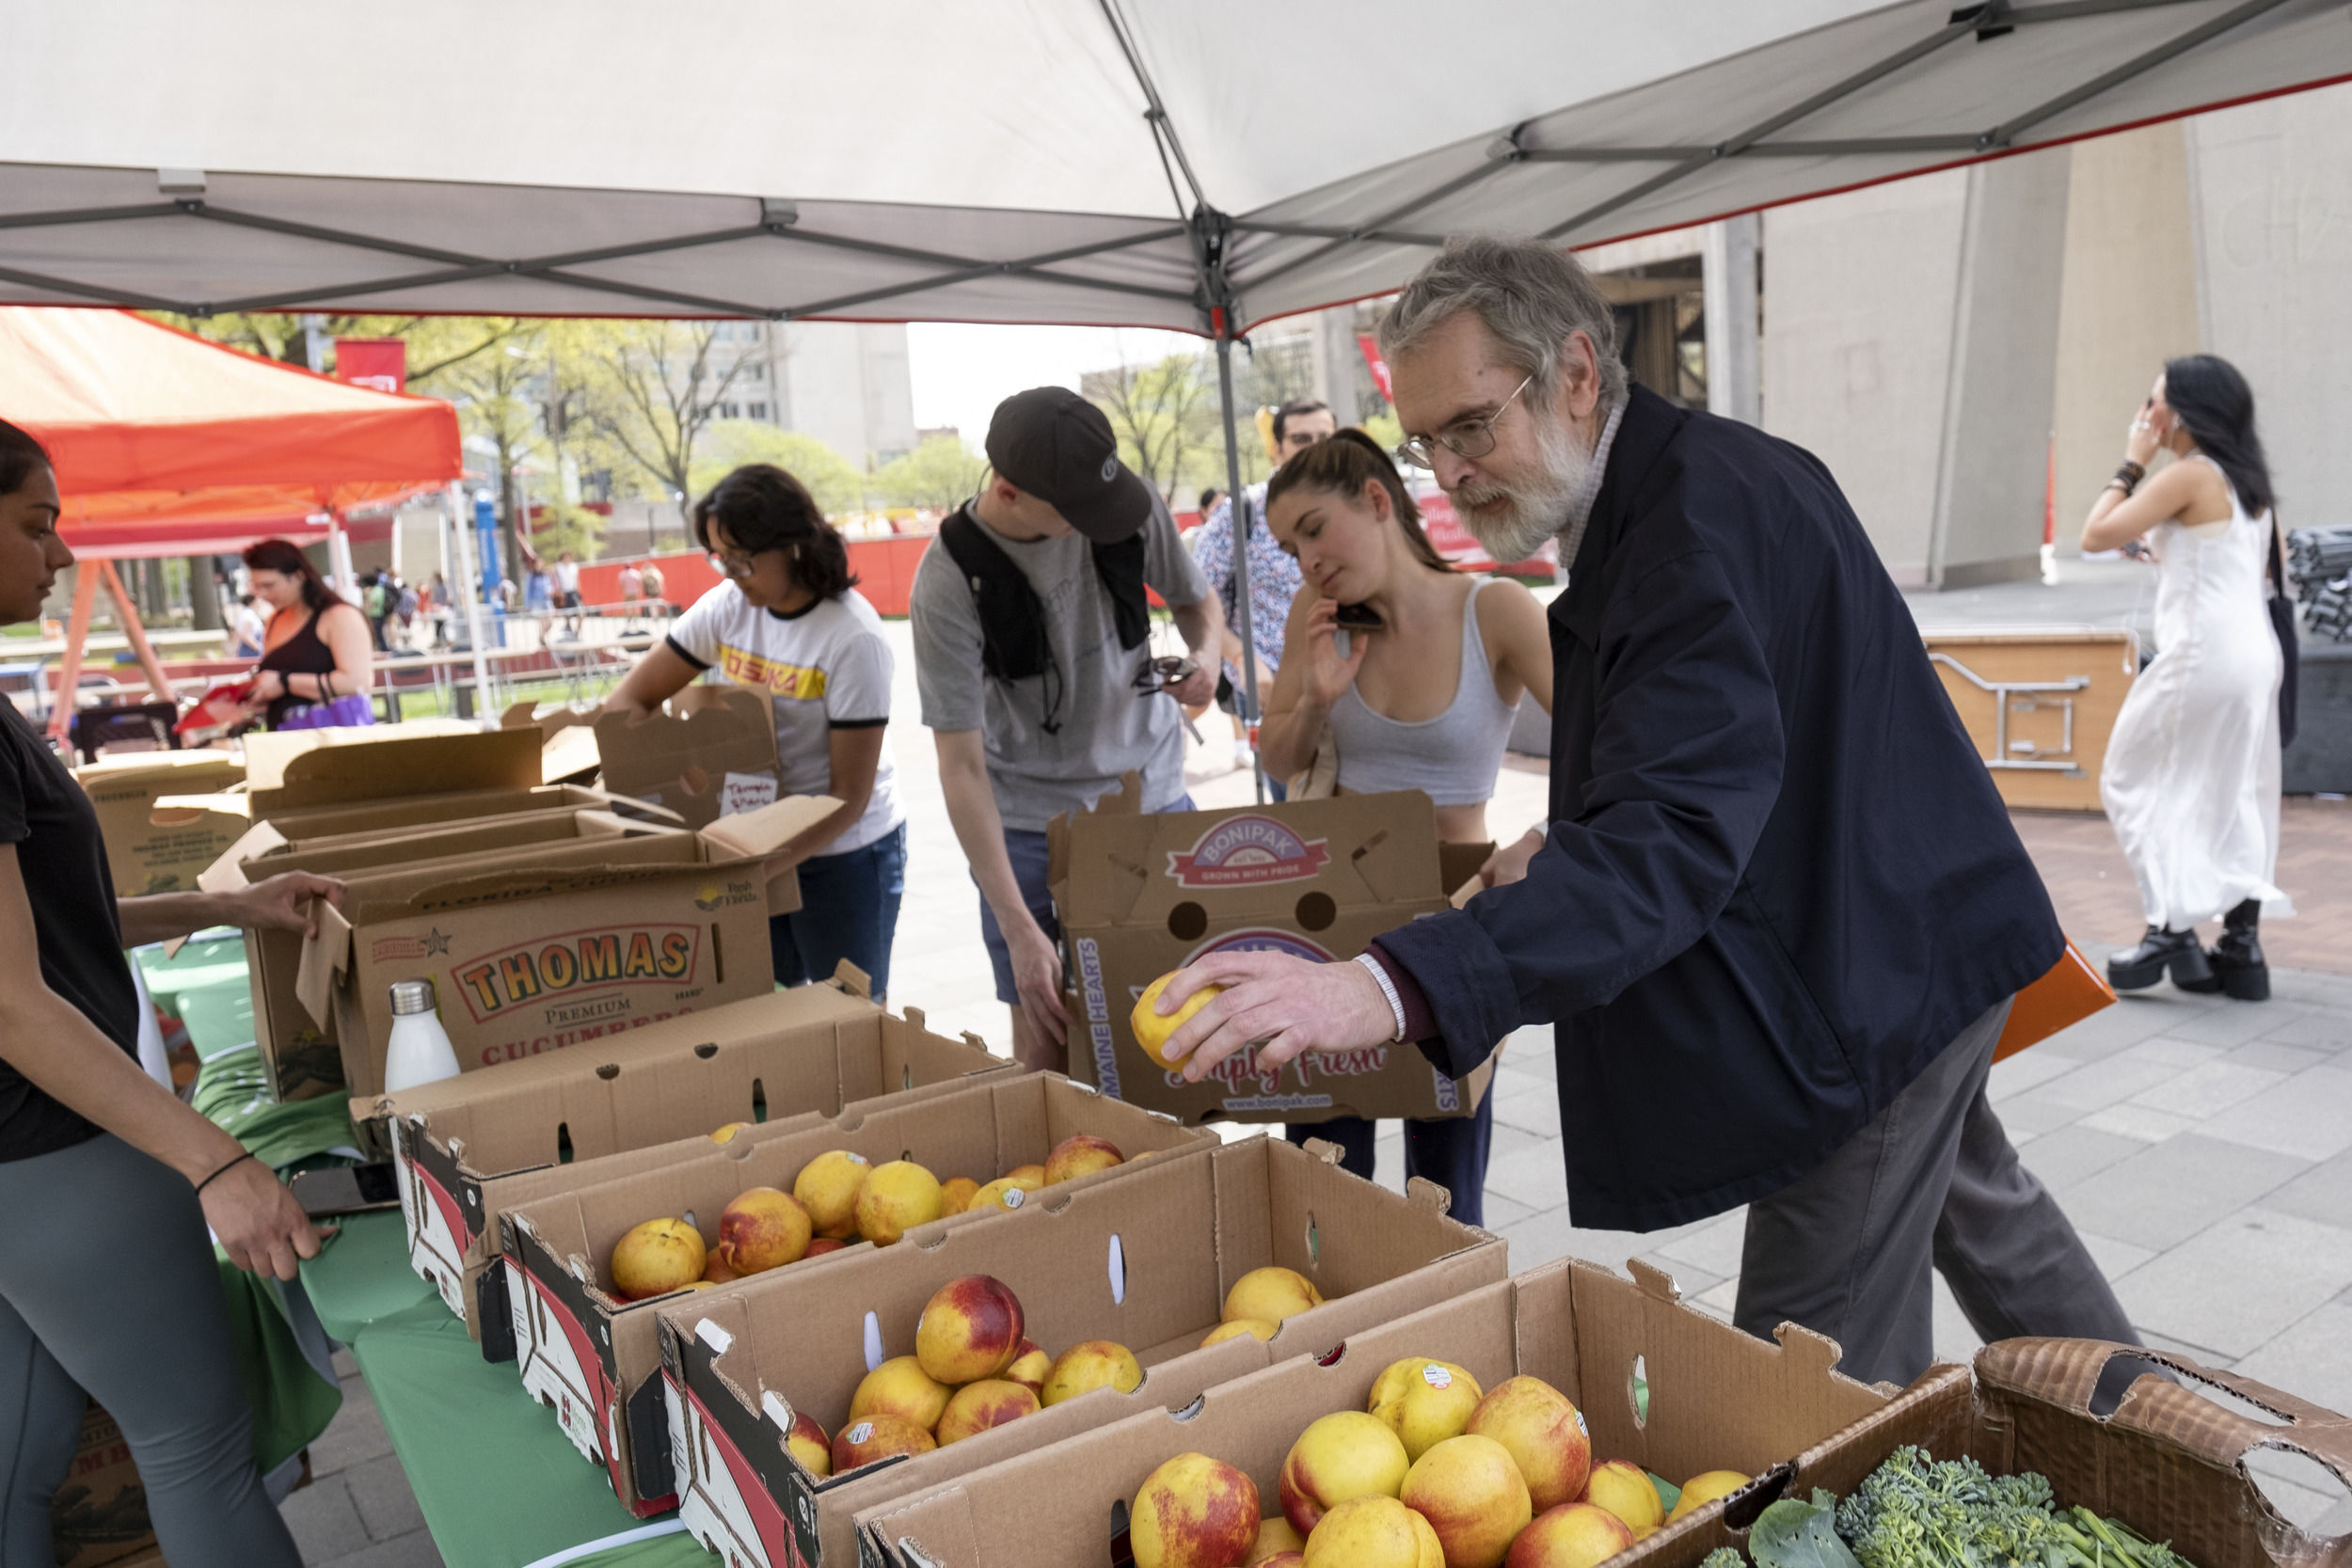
pixel 2191 780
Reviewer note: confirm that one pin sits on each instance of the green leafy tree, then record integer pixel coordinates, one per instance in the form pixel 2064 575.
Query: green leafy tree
pixel 1165 416
pixel 833 479
pixel 653 389
pixel 565 526
pixel 942 473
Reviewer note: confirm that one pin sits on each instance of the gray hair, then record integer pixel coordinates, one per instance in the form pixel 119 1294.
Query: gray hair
pixel 1529 294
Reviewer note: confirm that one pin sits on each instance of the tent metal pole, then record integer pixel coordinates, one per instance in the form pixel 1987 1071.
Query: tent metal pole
pixel 1239 514
pixel 453 500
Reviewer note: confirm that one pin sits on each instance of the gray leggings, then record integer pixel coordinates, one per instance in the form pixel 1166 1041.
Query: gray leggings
pixel 108 1284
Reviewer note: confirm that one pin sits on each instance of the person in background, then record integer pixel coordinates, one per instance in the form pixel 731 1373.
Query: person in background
pixel 567 591
pixel 400 610
pixel 1273 574
pixel 651 581
pixel 437 608
pixel 786 619
pixel 2191 776
pixel 1424 702
pixel 1033 657
pixel 538 587
pixel 244 640
pixel 1778 912
pixel 107 1182
pixel 317 649
pixel 632 586
pixel 376 603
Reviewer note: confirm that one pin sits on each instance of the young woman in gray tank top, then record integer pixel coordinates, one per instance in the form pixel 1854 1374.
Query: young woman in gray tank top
pixel 1424 702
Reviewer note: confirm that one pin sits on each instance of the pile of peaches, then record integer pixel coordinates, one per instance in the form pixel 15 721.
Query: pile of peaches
pixel 837 1198
pixel 1434 1473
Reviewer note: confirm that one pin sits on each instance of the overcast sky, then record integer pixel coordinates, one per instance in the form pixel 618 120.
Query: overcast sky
pixel 960 373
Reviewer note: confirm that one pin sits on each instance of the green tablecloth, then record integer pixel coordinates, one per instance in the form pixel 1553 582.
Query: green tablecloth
pixel 499 1485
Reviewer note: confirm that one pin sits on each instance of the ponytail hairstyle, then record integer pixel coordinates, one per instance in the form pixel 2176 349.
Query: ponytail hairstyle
pixel 763 508
pixel 285 558
pixel 2216 407
pixel 1342 466
pixel 21 452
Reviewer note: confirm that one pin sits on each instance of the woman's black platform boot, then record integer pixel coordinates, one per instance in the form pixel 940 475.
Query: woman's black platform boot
pixel 2238 959
pixel 2139 967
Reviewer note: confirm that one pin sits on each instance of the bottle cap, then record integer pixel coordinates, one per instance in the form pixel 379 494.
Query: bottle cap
pixel 411 996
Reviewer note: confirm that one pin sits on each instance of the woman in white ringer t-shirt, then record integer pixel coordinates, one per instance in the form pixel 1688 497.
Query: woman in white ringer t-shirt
pixel 789 621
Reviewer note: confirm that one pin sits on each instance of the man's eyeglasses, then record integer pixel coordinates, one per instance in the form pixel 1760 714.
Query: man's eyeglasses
pixel 1463 438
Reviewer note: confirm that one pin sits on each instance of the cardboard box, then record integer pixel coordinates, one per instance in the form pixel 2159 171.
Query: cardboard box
pixel 595 1359
pixel 567 735
pixel 151 850
pixel 1716 1399
pixel 585 925
pixel 99 1514
pixel 296 769
pixel 1140 894
pixel 1144 1262
pixel 303 1053
pixel 470 1147
pixel 710 753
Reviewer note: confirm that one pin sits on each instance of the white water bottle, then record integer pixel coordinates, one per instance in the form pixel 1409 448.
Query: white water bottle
pixel 419 1051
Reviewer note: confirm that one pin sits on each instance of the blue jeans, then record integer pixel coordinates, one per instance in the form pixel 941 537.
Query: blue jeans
pixel 1026 851
pixel 1449 1150
pixel 848 910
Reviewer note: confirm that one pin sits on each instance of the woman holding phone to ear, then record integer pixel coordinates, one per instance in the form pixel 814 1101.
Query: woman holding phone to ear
pixel 1423 701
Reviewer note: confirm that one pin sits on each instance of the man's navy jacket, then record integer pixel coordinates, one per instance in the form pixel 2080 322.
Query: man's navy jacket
pixel 1779 879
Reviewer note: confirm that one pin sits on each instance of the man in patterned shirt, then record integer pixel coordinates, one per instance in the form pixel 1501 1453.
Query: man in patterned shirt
pixel 1274 578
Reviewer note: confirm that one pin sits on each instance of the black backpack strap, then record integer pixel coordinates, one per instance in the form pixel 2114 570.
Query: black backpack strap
pixel 1121 568
pixel 1013 644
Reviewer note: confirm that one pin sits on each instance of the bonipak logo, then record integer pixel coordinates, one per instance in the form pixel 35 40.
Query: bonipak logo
pixel 1247 851
pixel 555 966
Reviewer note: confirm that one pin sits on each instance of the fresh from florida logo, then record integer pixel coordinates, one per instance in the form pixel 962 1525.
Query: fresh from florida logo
pixel 1246 851
pixel 558 966
pixel 719 896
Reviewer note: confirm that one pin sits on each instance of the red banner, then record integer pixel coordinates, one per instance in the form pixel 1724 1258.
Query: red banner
pixel 380 364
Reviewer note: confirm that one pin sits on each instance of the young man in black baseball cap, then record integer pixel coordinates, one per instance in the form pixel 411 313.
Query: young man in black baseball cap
pixel 1031 641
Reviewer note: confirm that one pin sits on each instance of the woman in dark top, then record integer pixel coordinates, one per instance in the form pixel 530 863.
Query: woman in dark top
pixel 318 647
pixel 107 1182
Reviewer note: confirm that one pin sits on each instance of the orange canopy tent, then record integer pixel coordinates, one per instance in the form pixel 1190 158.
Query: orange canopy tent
pixel 167 444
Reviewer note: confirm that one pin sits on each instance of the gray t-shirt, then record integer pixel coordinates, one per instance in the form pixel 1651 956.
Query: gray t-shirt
pixel 1106 727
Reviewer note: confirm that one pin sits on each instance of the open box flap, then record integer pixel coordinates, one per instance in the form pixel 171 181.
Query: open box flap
pixel 768 830
pixel 325 958
pixel 226 873
pixel 287 769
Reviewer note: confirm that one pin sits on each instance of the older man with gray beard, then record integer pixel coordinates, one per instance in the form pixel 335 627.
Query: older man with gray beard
pixel 1778 912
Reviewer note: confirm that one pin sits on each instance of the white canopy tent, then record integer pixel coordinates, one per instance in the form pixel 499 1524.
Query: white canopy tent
pixel 1200 164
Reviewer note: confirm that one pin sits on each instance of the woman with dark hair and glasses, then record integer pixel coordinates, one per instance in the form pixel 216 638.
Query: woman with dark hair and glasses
pixel 2191 778
pixel 107 1182
pixel 1397 672
pixel 318 651
pixel 788 619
